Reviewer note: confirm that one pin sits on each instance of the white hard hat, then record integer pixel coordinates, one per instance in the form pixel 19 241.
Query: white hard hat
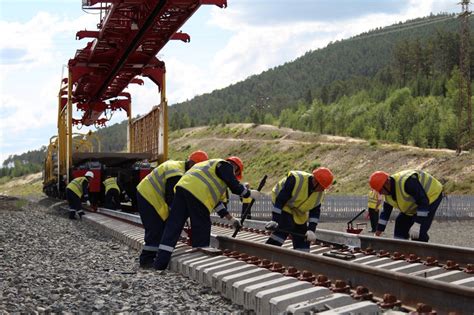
pixel 89 174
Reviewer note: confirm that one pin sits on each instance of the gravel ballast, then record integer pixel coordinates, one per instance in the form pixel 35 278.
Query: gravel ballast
pixel 52 264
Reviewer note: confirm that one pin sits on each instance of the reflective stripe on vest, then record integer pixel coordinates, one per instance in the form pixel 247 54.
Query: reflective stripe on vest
pixel 111 183
pixel 406 203
pixel 299 204
pixel 204 184
pixel 153 186
pixel 76 185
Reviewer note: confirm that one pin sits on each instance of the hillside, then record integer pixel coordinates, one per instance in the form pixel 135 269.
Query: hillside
pixel 421 52
pixel 274 151
pixel 398 84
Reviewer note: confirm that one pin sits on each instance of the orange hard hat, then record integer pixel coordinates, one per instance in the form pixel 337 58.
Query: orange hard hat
pixel 377 180
pixel 323 176
pixel 237 161
pixel 198 156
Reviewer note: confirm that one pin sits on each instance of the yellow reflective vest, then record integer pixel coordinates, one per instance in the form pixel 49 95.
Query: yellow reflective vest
pixel 225 197
pixel 111 183
pixel 76 185
pixel 152 187
pixel 405 202
pixel 300 203
pixel 204 184
pixel 247 200
pixel 373 200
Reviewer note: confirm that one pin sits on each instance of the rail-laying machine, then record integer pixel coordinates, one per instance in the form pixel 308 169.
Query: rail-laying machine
pixel 122 51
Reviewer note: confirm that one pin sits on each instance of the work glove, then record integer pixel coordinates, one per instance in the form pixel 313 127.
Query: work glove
pixel 235 223
pixel 310 236
pixel 88 203
pixel 271 226
pixel 255 194
pixel 415 231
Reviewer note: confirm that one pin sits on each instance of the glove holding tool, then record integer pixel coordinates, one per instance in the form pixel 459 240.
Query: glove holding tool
pixel 247 210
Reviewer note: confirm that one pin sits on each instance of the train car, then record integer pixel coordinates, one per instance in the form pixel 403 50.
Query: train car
pixel 122 50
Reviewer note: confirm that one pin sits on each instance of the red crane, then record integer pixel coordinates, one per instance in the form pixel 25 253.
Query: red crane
pixel 128 37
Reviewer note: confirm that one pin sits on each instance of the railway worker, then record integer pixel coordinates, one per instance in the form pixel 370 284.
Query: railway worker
pixel 155 194
pixel 75 191
pixel 416 194
pixel 198 193
pixel 112 193
pixel 375 200
pixel 245 203
pixel 297 202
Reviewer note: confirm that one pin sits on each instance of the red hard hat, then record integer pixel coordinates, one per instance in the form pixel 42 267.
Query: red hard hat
pixel 237 161
pixel 377 180
pixel 198 156
pixel 323 176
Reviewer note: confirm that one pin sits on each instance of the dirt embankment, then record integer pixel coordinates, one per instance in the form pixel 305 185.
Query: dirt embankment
pixel 274 151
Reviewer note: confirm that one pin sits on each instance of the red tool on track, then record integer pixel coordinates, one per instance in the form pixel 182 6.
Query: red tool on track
pixel 356 230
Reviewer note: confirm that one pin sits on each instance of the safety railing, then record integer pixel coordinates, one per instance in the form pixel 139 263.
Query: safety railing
pixel 346 207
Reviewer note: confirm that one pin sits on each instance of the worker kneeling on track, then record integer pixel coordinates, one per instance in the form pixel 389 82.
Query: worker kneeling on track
pixel 297 202
pixel 198 193
pixel 416 193
pixel 75 191
pixel 112 193
pixel 155 194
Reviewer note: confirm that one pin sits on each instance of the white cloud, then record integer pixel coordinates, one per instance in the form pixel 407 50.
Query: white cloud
pixel 32 55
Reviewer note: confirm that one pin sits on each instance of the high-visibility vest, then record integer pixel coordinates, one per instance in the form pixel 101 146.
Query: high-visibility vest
pixel 204 184
pixel 76 185
pixel 405 202
pixel 152 187
pixel 111 183
pixel 299 204
pixel 373 200
pixel 225 197
pixel 246 200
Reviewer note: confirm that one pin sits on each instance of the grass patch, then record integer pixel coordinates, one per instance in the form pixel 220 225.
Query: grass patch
pixel 4 179
pixel 19 204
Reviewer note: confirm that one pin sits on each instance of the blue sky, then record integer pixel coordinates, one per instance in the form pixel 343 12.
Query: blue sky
pixel 227 45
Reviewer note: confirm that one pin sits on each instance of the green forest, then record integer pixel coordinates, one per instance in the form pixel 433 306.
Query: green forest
pixel 399 83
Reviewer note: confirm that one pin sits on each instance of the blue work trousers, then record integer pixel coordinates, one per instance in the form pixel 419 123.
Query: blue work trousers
pixel 73 200
pixel 404 222
pixel 287 226
pixel 112 199
pixel 154 226
pixel 184 206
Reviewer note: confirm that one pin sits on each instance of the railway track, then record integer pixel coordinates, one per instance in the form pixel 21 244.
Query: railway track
pixel 342 273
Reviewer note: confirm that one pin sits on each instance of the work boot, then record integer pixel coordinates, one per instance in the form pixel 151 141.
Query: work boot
pixel 146 265
pixel 146 259
pixel 162 260
pixel 72 215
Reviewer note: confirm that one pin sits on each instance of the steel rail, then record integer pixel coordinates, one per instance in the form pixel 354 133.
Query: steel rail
pixel 411 290
pixel 444 297
pixel 461 255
